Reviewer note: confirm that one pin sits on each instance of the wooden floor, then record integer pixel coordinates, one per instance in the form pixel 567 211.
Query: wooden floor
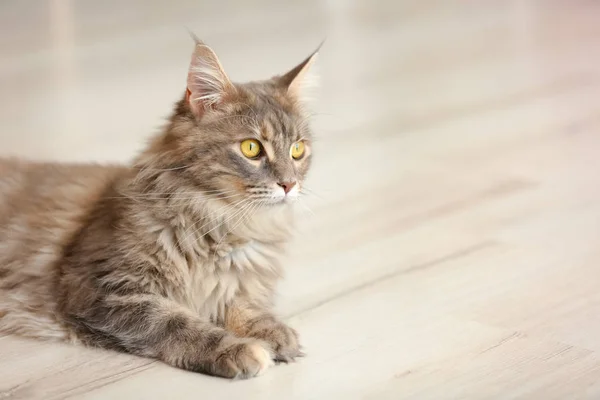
pixel 453 251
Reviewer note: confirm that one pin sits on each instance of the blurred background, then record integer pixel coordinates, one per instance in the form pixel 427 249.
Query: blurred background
pixel 450 249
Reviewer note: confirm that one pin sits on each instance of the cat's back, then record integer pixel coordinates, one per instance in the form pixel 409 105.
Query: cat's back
pixel 47 196
pixel 42 205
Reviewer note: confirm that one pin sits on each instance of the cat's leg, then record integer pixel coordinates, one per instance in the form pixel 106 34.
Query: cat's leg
pixel 251 321
pixel 156 327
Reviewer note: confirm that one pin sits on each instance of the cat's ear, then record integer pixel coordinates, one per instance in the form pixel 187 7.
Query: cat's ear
pixel 301 76
pixel 207 84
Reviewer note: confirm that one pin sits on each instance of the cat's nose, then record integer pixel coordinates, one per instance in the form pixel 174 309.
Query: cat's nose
pixel 287 186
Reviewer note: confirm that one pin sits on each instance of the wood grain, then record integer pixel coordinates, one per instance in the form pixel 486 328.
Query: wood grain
pixel 452 247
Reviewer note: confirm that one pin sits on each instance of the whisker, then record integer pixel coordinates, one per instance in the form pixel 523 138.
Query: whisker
pixel 171 201
pixel 318 114
pixel 191 192
pixel 161 195
pixel 243 208
pixel 306 207
pixel 213 220
pixel 248 212
pixel 311 192
pixel 188 197
pixel 267 197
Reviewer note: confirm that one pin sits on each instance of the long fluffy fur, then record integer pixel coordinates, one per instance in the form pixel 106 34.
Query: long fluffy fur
pixel 174 257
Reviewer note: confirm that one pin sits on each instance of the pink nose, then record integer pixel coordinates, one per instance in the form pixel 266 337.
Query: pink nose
pixel 287 186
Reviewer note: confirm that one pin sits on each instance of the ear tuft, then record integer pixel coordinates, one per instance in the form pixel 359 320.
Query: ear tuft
pixel 302 76
pixel 208 84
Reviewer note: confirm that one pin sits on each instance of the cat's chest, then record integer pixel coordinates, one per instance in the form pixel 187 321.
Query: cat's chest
pixel 249 269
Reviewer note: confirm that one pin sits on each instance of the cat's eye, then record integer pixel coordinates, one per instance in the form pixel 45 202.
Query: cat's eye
pixel 297 150
pixel 251 148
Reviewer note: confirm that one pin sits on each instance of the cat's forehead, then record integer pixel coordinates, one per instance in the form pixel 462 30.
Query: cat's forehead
pixel 275 120
pixel 275 126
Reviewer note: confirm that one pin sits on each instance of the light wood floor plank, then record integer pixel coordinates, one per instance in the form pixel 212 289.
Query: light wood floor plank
pixel 451 249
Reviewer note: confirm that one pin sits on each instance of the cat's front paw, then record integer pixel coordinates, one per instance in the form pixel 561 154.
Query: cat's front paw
pixel 283 340
pixel 242 359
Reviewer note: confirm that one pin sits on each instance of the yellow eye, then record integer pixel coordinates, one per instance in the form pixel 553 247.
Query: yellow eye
pixel 297 150
pixel 251 148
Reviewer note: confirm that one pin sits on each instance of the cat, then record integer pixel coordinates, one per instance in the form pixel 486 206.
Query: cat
pixel 176 256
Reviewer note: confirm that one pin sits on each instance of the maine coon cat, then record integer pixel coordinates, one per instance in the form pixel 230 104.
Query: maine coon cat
pixel 176 256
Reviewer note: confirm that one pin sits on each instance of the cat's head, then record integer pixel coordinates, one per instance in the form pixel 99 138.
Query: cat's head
pixel 237 142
